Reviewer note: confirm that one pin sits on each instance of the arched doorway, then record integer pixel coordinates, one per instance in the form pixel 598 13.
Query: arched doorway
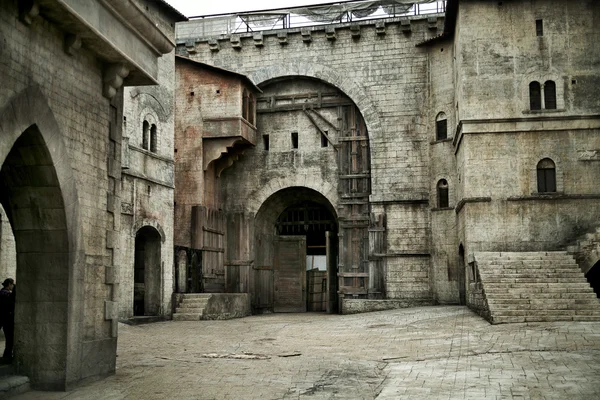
pixel 32 198
pixel 593 278
pixel 147 272
pixel 296 253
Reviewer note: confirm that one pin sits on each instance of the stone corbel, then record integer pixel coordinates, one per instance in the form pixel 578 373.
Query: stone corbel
pixel 113 79
pixel 72 43
pixel 28 9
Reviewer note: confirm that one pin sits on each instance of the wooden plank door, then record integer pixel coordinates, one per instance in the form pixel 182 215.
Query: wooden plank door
pixel 332 278
pixel 290 274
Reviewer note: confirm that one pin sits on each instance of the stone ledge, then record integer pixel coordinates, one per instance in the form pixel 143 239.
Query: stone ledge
pixel 356 306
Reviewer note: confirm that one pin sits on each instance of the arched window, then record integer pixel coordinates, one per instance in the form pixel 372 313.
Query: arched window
pixel 535 96
pixel 442 193
pixel 550 95
pixel 145 132
pixel 546 176
pixel 153 138
pixel 441 127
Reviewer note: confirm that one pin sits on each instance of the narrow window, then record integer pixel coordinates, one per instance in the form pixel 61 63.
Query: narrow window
pixel 245 105
pixel 535 96
pixel 251 109
pixel 442 189
pixel 546 176
pixel 294 140
pixel 145 132
pixel 539 27
pixel 153 138
pixel 266 142
pixel 550 95
pixel 441 127
pixel 324 141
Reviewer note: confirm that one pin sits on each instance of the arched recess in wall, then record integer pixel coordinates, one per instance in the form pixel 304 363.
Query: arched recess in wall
pixel 289 218
pixel 38 192
pixel 337 78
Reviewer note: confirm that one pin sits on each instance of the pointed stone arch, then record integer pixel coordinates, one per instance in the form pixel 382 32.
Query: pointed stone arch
pixel 27 116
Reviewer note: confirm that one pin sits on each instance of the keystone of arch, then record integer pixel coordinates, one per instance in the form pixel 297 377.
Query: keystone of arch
pixel 338 78
pixel 299 180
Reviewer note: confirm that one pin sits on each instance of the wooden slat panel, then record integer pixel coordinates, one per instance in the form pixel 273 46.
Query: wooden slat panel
pixel 290 274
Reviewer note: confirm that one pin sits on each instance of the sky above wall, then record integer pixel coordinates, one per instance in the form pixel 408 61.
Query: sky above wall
pixel 192 8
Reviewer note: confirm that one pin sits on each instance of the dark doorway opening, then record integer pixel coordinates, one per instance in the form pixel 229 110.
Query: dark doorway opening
pixel 462 267
pixel 147 272
pixel 317 225
pixel 593 278
pixel 32 198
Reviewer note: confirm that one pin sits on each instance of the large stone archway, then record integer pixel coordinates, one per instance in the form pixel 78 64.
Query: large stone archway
pixel 40 198
pixel 337 78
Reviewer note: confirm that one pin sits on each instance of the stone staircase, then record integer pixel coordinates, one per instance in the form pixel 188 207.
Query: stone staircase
pixel 534 287
pixel 191 307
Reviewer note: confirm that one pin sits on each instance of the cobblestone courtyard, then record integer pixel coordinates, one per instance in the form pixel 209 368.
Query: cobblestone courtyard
pixel 417 353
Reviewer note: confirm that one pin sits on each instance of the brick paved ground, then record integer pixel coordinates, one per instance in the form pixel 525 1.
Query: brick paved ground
pixel 417 353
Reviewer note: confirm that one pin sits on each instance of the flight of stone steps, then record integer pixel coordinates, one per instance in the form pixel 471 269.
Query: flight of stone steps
pixel 191 307
pixel 534 287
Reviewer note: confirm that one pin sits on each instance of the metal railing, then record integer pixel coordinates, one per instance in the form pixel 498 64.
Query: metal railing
pixel 287 18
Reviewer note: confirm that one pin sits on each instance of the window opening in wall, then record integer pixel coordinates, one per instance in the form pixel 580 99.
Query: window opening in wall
pixel 539 27
pixel 441 127
pixel 535 96
pixel 266 142
pixel 550 95
pixel 251 107
pixel 442 189
pixel 149 190
pixel 153 138
pixel 294 140
pixel 145 133
pixel 245 105
pixel 546 176
pixel 324 141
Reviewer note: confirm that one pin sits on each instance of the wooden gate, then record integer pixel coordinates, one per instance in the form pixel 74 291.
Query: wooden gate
pixel 290 274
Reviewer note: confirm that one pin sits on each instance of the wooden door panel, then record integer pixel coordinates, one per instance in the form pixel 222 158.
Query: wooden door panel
pixel 290 274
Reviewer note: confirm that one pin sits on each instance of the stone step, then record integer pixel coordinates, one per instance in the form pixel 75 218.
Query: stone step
pixel 527 295
pixel 527 264
pixel 186 317
pixel 189 310
pixel 498 308
pixel 12 385
pixel 495 280
pixel 197 295
pixel 541 313
pixel 515 274
pixel 532 271
pixel 194 301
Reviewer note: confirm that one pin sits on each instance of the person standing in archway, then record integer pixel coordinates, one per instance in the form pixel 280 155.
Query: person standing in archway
pixel 7 316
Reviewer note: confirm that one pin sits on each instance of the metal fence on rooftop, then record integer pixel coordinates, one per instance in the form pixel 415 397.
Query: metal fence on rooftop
pixel 299 17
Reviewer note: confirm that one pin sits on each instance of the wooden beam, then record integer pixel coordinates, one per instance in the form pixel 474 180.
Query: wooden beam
pixel 320 130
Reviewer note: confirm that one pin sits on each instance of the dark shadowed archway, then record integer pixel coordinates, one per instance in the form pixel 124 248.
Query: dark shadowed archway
pixel 33 200
pixel 147 272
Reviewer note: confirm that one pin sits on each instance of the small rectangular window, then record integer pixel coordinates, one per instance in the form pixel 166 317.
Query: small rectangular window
pixel 539 27
pixel 294 140
pixel 441 129
pixel 324 141
pixel 266 142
